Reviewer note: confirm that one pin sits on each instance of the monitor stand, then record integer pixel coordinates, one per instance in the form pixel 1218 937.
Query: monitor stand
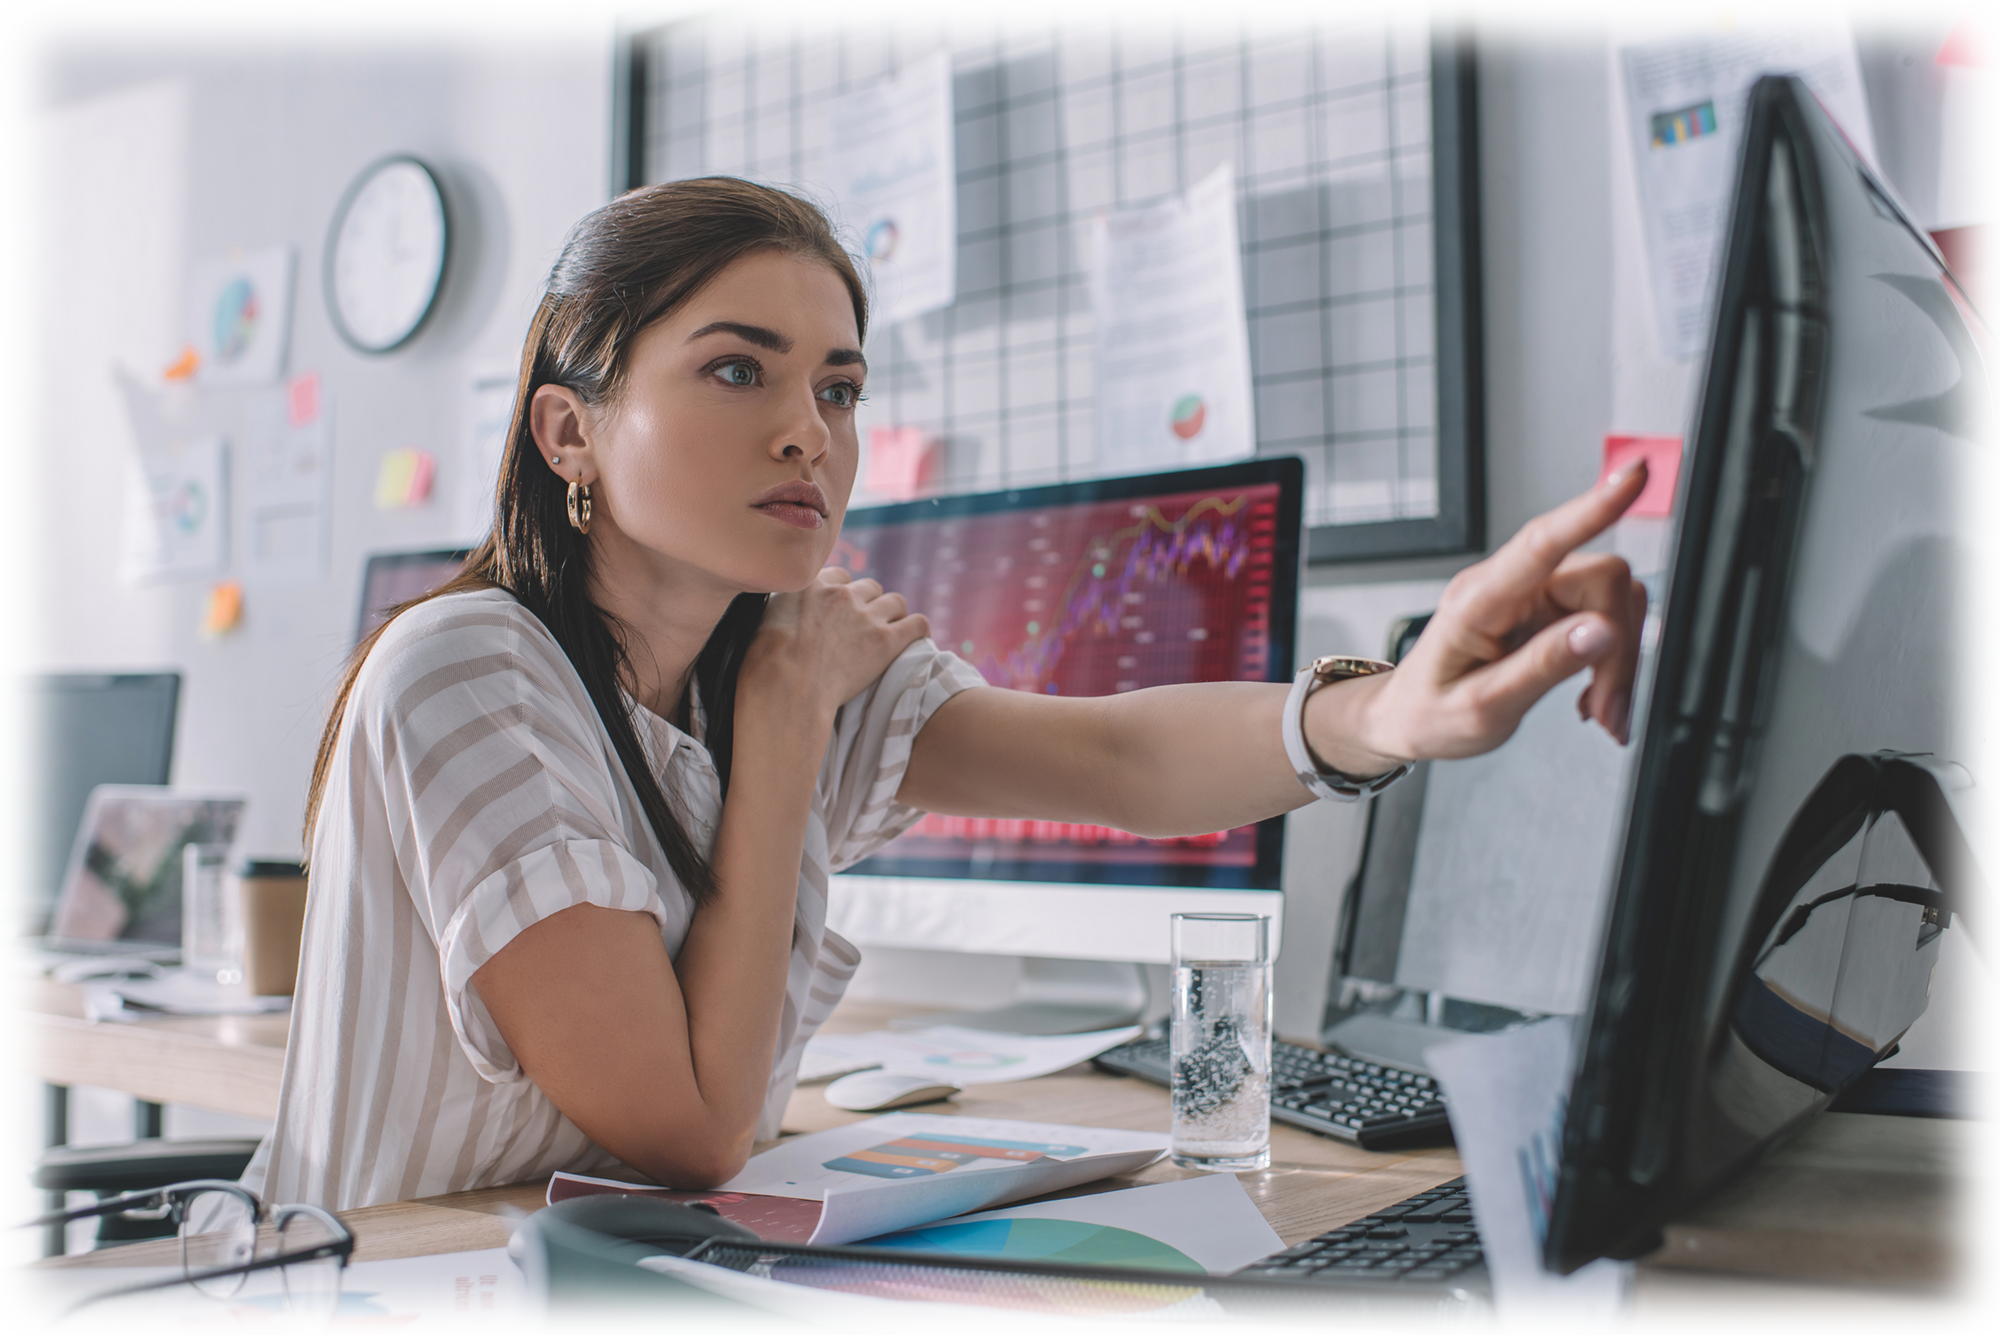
pixel 1395 1037
pixel 1057 997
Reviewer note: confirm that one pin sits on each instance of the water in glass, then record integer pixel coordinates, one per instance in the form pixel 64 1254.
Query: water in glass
pixel 1222 1066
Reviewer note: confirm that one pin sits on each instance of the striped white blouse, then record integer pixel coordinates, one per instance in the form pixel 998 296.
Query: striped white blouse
pixel 474 792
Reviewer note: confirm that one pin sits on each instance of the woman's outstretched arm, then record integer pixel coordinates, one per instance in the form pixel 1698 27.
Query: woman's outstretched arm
pixel 1196 758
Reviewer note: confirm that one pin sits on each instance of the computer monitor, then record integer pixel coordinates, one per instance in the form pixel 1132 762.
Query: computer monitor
pixel 1084 588
pixel 86 729
pixel 392 578
pixel 1788 857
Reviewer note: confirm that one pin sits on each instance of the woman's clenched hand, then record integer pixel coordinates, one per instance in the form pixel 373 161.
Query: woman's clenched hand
pixel 823 645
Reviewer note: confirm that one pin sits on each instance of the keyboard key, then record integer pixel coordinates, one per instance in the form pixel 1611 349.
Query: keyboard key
pixel 1456 1217
pixel 1389 1231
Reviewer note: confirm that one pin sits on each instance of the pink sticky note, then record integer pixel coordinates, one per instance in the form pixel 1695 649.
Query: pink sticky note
pixel 1975 258
pixel 1975 38
pixel 901 461
pixel 420 477
pixel 302 398
pixel 1663 468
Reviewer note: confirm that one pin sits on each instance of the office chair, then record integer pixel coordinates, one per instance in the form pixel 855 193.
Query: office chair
pixel 109 1170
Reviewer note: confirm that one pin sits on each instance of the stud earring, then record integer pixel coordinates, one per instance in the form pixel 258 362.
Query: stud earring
pixel 556 459
pixel 579 507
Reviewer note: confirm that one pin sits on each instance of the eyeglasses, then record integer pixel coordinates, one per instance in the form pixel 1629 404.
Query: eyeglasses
pixel 226 1236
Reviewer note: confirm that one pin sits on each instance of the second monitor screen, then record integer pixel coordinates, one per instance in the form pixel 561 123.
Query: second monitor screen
pixel 1095 597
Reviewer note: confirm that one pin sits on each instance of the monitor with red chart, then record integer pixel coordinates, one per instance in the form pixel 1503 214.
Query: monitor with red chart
pixel 1096 588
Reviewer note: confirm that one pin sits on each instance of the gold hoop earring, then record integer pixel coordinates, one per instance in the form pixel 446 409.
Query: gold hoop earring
pixel 579 507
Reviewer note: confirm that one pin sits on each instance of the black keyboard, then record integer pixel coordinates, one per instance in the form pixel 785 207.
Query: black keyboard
pixel 1374 1106
pixel 1427 1240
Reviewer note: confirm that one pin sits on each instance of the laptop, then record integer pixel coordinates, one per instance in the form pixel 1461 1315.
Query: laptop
pixel 121 890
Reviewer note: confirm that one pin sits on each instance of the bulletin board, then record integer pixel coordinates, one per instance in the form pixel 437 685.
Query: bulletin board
pixel 1353 149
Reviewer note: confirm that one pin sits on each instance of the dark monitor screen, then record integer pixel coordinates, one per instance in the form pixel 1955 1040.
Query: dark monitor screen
pixel 1093 588
pixel 1788 861
pixel 86 729
pixel 393 578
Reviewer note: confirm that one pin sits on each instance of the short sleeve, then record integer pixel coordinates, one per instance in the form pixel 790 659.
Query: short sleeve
pixel 872 737
pixel 498 790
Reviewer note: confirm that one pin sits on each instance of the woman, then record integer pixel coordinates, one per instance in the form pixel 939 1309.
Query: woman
pixel 573 814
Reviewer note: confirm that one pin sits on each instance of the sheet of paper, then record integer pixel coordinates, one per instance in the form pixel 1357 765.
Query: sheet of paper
pixel 891 161
pixel 868 1207
pixel 488 410
pixel 240 315
pixel 828 1306
pixel 453 1288
pixel 1969 148
pixel 1173 353
pixel 902 1146
pixel 177 511
pixel 965 1056
pixel 1507 1094
pixel 1199 1224
pixel 282 477
pixel 181 992
pixel 1685 101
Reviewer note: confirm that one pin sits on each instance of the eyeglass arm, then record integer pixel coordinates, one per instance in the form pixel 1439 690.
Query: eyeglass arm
pixel 340 1248
pixel 151 1198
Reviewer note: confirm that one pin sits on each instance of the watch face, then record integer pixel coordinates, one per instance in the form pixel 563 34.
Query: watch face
pixel 386 256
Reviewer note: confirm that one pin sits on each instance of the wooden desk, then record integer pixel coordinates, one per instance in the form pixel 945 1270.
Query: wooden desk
pixel 1313 1186
pixel 225 1063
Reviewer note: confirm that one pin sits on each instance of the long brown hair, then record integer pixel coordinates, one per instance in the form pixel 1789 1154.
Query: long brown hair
pixel 628 264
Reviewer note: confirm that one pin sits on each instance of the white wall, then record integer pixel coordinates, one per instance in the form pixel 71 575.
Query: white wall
pixel 137 136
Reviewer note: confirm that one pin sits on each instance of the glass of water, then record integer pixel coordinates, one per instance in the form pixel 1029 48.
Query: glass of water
pixel 1222 1041
pixel 211 915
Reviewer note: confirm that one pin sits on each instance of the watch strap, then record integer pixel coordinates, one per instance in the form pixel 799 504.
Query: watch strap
pixel 1328 785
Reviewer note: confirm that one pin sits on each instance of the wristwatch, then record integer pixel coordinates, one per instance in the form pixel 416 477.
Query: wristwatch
pixel 1329 785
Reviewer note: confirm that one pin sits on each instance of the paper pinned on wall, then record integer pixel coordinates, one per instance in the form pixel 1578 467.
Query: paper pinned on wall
pixel 284 482
pixel 1686 102
pixel 488 411
pixel 1173 352
pixel 240 315
pixel 177 512
pixel 892 164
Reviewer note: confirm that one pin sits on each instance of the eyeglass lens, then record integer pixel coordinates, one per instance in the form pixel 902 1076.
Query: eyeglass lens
pixel 218 1228
pixel 310 1286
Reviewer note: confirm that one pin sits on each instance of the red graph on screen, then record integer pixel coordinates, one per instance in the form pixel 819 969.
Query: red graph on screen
pixel 1089 599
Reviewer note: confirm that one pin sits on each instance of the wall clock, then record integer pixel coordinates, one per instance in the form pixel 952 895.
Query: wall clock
pixel 385 254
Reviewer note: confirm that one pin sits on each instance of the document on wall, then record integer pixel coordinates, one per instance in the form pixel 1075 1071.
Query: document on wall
pixel 1686 101
pixel 177 491
pixel 891 161
pixel 282 476
pixel 1173 353
pixel 488 409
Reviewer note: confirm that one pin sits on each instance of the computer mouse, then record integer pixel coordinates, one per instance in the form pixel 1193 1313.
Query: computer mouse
pixel 667 1225
pixel 873 1091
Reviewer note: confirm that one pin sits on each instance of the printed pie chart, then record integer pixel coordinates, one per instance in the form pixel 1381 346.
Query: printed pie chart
pixel 1066 1240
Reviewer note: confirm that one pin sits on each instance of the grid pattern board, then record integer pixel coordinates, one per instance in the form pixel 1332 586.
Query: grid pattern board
pixel 1327 129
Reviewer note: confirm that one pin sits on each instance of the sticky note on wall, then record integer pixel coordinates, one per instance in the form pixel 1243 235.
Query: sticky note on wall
pixel 1663 469
pixel 404 479
pixel 1975 38
pixel 902 461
